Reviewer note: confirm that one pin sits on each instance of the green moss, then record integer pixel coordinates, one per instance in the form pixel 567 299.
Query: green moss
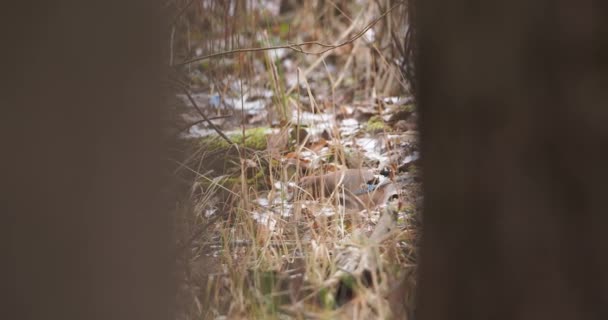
pixel 375 127
pixel 375 124
pixel 212 143
pixel 254 139
pixel 374 119
pixel 409 108
pixel 224 160
pixel 327 299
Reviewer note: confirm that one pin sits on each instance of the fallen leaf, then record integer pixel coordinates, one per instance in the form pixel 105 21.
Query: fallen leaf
pixel 317 145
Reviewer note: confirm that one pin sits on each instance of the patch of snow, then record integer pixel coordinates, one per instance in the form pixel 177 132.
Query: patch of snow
pixel 370 35
pixel 197 132
pixel 262 201
pixel 391 100
pixel 349 127
pixel 368 144
pixel 248 106
pixel 265 218
pixel 310 118
pixel 411 158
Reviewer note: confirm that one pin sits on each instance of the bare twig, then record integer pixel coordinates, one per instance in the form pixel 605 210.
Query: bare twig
pixel 319 60
pixel 296 46
pixel 188 126
pixel 181 12
pixel 207 119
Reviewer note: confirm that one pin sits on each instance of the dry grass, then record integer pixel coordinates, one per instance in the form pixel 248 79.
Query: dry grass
pixel 257 246
pixel 260 264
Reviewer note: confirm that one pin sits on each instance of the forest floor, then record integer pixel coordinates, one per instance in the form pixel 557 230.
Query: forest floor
pixel 303 190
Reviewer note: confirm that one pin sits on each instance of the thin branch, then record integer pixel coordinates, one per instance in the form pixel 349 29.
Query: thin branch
pixel 207 119
pixel 297 46
pixel 188 126
pixel 181 12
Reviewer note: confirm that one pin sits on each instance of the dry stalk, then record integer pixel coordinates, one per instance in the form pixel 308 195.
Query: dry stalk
pixel 297 46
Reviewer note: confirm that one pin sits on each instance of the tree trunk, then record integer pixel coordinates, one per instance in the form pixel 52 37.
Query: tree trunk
pixel 512 99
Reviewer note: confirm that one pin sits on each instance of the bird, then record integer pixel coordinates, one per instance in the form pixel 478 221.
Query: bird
pixel 356 188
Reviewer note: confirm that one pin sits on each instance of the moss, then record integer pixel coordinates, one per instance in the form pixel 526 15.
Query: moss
pixel 225 160
pixel 327 299
pixel 254 139
pixel 408 108
pixel 375 124
pixel 374 119
pixel 212 143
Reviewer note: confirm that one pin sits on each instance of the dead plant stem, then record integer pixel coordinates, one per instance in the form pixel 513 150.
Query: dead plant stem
pixel 211 124
pixel 296 46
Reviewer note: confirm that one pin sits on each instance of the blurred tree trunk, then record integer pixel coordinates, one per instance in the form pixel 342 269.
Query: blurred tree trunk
pixel 85 217
pixel 514 123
